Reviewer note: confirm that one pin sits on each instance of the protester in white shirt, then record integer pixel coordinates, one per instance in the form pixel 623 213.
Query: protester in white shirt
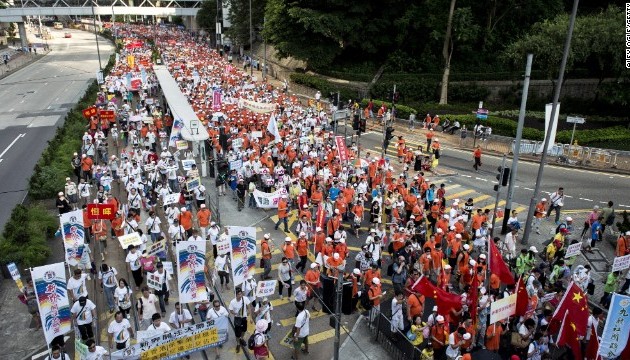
pixel 83 312
pixel 147 306
pixel 180 317
pixel 95 352
pixel 120 331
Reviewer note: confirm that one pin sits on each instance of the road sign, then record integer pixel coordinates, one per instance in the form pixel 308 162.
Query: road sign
pixel 575 120
pixel 482 114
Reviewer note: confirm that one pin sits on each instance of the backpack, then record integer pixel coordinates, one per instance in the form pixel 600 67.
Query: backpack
pixel 390 269
pixel 251 342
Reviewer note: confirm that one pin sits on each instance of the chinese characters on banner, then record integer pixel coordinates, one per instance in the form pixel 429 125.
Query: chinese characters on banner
pixel 573 250
pixel 153 281
pixel 157 247
pixel 91 111
pixel 266 288
pixel 243 252
pixel 342 150
pixel 216 100
pixel 502 309
pixel 130 239
pixel 269 200
pixel 223 246
pixel 191 259
pixel 52 299
pixel 179 342
pixel 101 211
pixel 73 235
pixel 617 327
pixel 108 115
pixel 15 274
pixel 621 263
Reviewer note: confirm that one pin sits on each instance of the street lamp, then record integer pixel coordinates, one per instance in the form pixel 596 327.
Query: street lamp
pixel 251 42
pixel 98 50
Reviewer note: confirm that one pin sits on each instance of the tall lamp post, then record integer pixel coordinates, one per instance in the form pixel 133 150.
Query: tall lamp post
pixel 98 50
pixel 251 42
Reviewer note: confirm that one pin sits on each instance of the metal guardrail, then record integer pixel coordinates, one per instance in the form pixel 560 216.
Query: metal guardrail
pixel 396 343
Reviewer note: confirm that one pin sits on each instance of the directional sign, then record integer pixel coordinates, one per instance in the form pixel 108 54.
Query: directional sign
pixel 575 120
pixel 482 114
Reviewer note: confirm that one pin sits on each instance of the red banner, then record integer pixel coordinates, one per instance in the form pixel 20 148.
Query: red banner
pixel 109 115
pixel 101 211
pixel 136 84
pixel 342 150
pixel 89 112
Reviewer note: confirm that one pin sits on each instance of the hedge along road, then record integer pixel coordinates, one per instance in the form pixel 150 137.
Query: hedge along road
pixel 35 100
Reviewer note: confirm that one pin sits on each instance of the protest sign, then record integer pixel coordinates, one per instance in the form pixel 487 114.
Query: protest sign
pixel 266 288
pixel 502 309
pixel 621 263
pixel 573 250
pixel 157 247
pixel 130 239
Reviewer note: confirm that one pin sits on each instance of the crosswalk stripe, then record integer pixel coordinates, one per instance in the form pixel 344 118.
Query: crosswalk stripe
pixel 480 198
pixel 291 321
pixel 491 206
pixel 458 195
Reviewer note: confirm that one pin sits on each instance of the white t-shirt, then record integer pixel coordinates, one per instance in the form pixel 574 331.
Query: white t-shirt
pixel 97 354
pixel 119 330
pixel 215 314
pixel 153 224
pixel 300 295
pixel 178 319
pixel 78 286
pixel 134 260
pixel 83 316
pixel 302 322
pixel 120 293
pixel 239 307
pixel 108 277
pixel 162 328
pixel 450 350
pixel 148 306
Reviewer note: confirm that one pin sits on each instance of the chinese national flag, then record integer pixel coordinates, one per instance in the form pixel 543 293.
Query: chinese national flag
pixel 445 301
pixel 574 301
pixel 569 337
pixel 498 265
pixel 592 346
pixel 522 298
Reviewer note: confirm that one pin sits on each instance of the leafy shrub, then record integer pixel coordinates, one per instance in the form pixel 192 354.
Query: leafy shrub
pixel 24 239
pixel 468 92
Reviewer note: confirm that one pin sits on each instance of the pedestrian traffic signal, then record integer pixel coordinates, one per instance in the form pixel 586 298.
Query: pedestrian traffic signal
pixel 362 125
pixel 503 176
pixel 389 133
pixel 355 123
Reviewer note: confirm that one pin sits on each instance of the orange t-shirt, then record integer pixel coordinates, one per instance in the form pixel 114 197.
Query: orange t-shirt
pixel 282 209
pixel 375 290
pixel 302 247
pixel 203 217
pixel 289 250
pixel 415 303
pixel 185 219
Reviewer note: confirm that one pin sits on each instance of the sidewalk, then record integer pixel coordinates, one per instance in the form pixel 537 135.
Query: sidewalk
pixel 359 344
pixel 20 61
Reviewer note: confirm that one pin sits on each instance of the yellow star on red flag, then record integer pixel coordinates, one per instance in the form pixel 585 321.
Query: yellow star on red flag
pixel 577 297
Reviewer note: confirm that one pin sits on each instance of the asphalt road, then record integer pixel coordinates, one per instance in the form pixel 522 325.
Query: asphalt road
pixel 35 100
pixel 583 188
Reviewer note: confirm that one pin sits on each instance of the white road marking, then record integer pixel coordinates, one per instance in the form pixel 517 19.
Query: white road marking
pixel 12 143
pixel 21 102
pixel 526 188
pixel 49 106
pixel 627 206
pixel 495 182
pixel 45 84
pixel 468 176
pixel 516 186
pixel 568 196
pixel 56 99
pixel 585 199
pixel 603 202
pixel 11 109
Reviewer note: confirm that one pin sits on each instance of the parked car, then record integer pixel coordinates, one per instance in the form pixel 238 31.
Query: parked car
pixel 67 35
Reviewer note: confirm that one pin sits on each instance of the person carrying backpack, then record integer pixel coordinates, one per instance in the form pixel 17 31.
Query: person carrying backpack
pixel 257 342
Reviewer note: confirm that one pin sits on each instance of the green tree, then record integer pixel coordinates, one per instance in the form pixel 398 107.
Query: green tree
pixel 239 15
pixel 207 17
pixel 596 44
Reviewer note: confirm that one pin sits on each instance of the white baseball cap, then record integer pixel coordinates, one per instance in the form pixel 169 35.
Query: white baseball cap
pixel 356 271
pixel 302 233
pixel 376 281
pixel 318 229
pixel 287 239
pixel 266 236
pixel 533 249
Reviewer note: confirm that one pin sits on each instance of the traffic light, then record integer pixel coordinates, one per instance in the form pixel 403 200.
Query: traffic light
pixel 355 122
pixel 389 134
pixel 503 177
pixel 362 125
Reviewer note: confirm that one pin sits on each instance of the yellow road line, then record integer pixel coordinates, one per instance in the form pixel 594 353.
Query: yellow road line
pixel 458 195
pixel 491 206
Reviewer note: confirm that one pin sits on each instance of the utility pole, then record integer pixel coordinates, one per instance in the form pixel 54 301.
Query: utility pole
pixel 552 123
pixel 517 144
pixel 264 70
pixel 216 173
pixel 98 51
pixel 251 42
pixel 496 199
pixel 338 315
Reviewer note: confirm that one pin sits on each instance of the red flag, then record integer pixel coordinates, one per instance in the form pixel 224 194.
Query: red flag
pixel 321 215
pixel 522 298
pixel 445 301
pixel 498 266
pixel 592 346
pixel 474 298
pixel 569 337
pixel 574 301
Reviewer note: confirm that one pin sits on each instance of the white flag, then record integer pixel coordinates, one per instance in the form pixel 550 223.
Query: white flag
pixel 272 127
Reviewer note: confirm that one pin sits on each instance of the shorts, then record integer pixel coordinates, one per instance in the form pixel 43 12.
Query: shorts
pixel 298 341
pixel 242 329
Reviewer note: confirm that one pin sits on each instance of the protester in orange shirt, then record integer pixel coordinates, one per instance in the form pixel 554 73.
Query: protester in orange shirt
pixel 265 250
pixel 477 157
pixel 283 207
pixel 186 220
pixel 302 251
pixel 314 285
pixel 288 249
pixel 203 219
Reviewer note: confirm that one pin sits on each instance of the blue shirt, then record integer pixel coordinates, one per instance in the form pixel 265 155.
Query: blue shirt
pixel 595 229
pixel 333 193
pixel 430 195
